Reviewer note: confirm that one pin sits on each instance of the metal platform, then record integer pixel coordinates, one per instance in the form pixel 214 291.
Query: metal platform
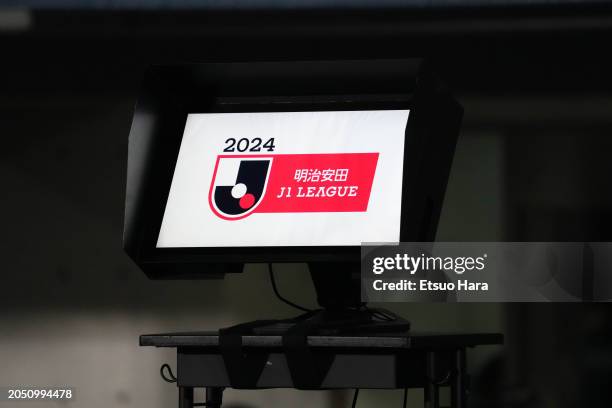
pixel 382 361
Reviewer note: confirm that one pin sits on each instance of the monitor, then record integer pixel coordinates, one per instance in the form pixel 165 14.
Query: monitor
pixel 238 163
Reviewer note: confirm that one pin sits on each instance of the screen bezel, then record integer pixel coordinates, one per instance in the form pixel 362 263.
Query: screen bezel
pixel 165 162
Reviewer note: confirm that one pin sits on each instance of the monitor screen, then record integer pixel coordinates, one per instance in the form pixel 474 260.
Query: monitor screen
pixel 318 178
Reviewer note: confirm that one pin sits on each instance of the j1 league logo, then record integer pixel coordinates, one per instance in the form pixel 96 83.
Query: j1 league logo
pixel 238 185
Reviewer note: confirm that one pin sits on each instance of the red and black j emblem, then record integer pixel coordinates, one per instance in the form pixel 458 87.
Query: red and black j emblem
pixel 238 185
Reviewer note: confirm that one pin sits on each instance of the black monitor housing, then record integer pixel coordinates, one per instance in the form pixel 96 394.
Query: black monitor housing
pixel 169 93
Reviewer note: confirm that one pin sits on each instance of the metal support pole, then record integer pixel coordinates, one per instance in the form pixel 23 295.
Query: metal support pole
pixel 185 397
pixel 432 395
pixel 214 397
pixel 459 380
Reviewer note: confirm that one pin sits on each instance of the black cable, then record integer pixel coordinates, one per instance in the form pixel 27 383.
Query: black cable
pixel 355 395
pixel 405 397
pixel 388 315
pixel 278 295
pixel 381 314
pixel 172 378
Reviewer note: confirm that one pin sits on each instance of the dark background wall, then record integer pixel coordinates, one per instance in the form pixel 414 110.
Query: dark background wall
pixel 532 164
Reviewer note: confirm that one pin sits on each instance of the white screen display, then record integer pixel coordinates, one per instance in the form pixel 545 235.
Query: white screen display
pixel 287 179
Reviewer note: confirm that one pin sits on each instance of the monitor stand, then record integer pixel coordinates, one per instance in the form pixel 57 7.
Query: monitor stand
pixel 338 289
